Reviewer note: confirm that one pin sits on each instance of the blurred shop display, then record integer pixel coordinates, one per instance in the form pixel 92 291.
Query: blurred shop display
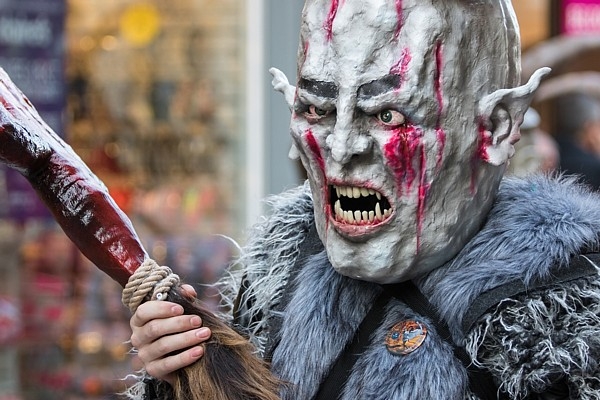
pixel 64 329
pixel 32 52
pixel 154 91
pixel 574 56
pixel 150 95
pixel 579 17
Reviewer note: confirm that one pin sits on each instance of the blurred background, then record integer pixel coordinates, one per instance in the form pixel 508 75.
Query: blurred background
pixel 170 104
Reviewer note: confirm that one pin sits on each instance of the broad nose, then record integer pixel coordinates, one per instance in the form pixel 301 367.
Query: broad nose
pixel 346 142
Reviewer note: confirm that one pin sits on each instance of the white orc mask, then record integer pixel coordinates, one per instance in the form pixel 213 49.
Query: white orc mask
pixel 403 132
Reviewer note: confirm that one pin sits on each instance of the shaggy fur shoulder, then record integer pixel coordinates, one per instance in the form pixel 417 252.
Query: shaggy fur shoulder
pixel 263 268
pixel 535 224
pixel 542 337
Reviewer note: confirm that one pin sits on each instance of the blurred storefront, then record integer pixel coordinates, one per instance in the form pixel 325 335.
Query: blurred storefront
pixel 572 49
pixel 152 96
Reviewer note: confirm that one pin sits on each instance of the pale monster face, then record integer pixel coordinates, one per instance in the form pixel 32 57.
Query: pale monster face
pixel 386 122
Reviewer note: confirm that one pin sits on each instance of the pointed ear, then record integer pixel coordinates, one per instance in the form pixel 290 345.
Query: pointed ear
pixel 281 84
pixel 501 114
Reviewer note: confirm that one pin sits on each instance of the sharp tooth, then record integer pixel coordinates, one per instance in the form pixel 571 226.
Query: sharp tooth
pixel 338 209
pixel 364 192
pixel 357 216
pixel 387 213
pixel 356 192
pixel 378 195
pixel 365 216
pixel 378 212
pixel 371 216
pixel 342 190
pixel 337 191
pixel 371 192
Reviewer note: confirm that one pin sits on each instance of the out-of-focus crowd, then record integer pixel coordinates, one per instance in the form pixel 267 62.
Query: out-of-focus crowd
pixel 573 148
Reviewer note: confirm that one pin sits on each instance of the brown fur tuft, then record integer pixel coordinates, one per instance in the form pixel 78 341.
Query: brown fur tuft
pixel 229 368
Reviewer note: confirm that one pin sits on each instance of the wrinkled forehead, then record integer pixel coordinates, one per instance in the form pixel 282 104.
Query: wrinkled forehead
pixel 344 40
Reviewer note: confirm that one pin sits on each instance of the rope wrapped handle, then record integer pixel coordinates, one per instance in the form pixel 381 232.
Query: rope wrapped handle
pixel 149 277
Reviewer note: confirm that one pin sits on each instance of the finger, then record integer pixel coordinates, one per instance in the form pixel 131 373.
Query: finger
pixel 157 328
pixel 189 291
pixel 165 367
pixel 170 345
pixel 154 310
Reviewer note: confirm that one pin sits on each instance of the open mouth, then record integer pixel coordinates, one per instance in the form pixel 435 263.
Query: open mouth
pixel 358 205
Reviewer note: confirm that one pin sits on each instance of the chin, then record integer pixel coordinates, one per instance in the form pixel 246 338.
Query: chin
pixel 371 261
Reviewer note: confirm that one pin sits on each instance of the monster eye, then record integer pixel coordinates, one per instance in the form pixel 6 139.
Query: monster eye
pixel 317 112
pixel 314 114
pixel 391 118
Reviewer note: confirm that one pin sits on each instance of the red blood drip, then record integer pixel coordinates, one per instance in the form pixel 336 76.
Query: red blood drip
pixel 423 191
pixel 400 152
pixel 335 4
pixel 313 145
pixel 438 81
pixel 305 48
pixel 400 11
pixel 441 134
pixel 481 154
pixel 405 149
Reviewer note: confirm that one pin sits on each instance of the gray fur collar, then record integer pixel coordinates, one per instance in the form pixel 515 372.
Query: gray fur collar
pixel 534 223
pixel 321 318
pixel 266 262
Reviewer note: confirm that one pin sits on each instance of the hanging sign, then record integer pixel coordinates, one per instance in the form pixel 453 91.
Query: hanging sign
pixel 32 52
pixel 580 17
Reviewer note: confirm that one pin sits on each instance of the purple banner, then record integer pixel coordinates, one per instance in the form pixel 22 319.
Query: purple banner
pixel 32 52
pixel 580 17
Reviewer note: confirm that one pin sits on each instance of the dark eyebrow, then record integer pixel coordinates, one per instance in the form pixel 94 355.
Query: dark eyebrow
pixel 379 86
pixel 319 88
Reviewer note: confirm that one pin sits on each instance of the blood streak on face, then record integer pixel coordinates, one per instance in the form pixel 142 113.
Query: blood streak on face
pixel 441 134
pixel 484 141
pixel 423 191
pixel 400 11
pixel 335 4
pixel 302 60
pixel 400 152
pixel 405 149
pixel 315 149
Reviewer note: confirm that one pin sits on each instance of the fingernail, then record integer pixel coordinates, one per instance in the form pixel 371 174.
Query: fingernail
pixel 177 309
pixel 197 352
pixel 195 321
pixel 203 333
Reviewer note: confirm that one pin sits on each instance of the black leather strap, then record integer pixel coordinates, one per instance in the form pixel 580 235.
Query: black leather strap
pixel 331 388
pixel 481 381
pixel 579 267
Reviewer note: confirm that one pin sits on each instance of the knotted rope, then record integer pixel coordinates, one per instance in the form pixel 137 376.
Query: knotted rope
pixel 149 277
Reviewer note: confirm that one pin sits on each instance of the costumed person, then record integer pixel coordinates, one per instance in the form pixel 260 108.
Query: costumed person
pixel 407 267
pixel 578 136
